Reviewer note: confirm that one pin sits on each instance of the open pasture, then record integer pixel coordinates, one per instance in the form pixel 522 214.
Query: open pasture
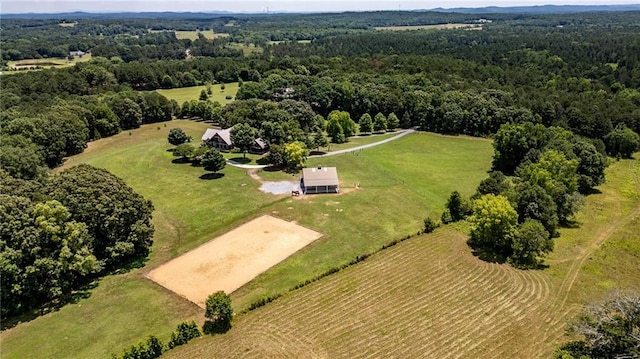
pixel 430 297
pixel 233 259
pixel 218 94
pixel 401 182
pixel 431 27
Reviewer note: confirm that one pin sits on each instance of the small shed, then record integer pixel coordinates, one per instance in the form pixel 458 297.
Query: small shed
pixel 319 180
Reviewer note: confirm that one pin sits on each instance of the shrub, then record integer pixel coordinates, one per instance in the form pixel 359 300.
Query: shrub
pixel 184 333
pixel 430 225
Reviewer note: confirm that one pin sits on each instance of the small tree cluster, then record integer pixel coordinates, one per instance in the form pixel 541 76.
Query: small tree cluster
pixel 457 208
pixel 495 229
pixel 219 313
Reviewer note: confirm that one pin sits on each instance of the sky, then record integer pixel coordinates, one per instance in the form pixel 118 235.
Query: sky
pixel 253 6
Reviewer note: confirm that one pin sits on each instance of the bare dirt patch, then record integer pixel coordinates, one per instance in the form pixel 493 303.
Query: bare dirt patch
pixel 233 259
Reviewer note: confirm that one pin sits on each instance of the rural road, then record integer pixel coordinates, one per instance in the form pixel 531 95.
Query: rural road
pixel 347 150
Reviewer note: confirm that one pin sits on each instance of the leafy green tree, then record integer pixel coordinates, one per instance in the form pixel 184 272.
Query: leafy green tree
pixel 532 202
pixel 346 123
pixel 275 156
pixel 177 136
pixel 117 218
pixel 530 243
pixel 295 154
pixel 513 142
pixel 607 330
pixel 456 207
pixel 622 141
pixel 203 95
pixel 366 124
pixel 20 157
pixel 243 136
pixel 128 111
pixel 213 160
pixel 496 184
pixel 334 129
pixel 380 122
pixel 494 224
pixel 320 140
pixel 45 254
pixel 392 121
pixel 185 151
pixel 591 164
pixel 218 312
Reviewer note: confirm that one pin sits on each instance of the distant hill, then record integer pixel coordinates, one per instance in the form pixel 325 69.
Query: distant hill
pixel 116 15
pixel 541 9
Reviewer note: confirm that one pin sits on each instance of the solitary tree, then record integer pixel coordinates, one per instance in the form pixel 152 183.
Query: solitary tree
pixel 177 136
pixel 380 122
pixel 243 136
pixel 203 95
pixel 366 124
pixel 219 313
pixel 212 160
pixel 184 151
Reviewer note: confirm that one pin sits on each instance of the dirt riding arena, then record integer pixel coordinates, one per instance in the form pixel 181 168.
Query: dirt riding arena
pixel 233 259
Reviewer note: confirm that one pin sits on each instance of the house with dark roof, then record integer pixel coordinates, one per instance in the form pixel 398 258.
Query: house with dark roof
pixel 221 139
pixel 320 180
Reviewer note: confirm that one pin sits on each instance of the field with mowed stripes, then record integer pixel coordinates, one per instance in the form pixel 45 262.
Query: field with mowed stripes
pixel 426 297
pixel 430 297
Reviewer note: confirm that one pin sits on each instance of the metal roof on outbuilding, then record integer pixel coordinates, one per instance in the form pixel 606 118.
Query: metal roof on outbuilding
pixel 320 176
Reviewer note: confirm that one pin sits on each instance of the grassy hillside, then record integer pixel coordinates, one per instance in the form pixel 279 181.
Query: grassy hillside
pixel 430 297
pixel 183 94
pixel 399 184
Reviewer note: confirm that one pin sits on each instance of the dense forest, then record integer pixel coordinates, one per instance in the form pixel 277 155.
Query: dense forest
pixel 571 80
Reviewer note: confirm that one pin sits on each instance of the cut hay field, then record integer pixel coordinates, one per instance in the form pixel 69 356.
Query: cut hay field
pixel 400 183
pixel 218 94
pixel 431 27
pixel 429 297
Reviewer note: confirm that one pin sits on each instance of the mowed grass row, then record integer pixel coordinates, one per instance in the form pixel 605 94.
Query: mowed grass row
pixel 430 297
pixel 396 191
pixel 183 94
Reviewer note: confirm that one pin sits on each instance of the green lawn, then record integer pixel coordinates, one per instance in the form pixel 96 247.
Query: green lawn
pixel 400 183
pixel 183 94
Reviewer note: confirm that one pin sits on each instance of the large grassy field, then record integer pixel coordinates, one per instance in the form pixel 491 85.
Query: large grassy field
pixel 31 64
pixel 400 183
pixel 183 94
pixel 429 297
pixel 431 27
